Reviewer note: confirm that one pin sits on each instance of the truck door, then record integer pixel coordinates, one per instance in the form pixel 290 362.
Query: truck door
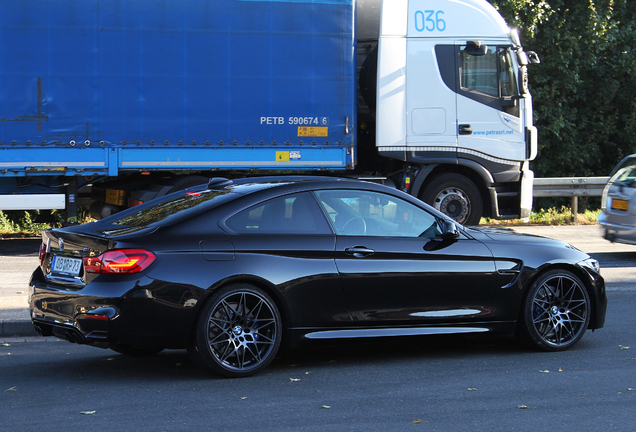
pixel 431 105
pixel 489 110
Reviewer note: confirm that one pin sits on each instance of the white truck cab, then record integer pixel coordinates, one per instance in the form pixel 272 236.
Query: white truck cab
pixel 452 98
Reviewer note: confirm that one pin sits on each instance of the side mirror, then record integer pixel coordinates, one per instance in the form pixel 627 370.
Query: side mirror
pixel 476 48
pixel 533 57
pixel 450 230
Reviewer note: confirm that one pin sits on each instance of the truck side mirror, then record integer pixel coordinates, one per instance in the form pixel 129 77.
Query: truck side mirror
pixel 476 48
pixel 533 57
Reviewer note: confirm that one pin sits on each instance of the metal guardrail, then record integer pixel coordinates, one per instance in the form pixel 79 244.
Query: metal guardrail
pixel 573 187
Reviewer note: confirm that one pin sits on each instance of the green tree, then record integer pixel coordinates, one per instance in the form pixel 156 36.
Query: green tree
pixel 585 89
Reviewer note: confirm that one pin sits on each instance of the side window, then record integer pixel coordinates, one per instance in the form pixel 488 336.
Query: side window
pixel 490 78
pixel 292 214
pixel 479 73
pixel 365 213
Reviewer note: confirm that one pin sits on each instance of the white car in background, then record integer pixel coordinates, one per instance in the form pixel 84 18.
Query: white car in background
pixel 618 204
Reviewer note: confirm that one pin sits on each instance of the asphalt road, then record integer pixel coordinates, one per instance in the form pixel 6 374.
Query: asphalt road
pixel 427 384
pixel 456 383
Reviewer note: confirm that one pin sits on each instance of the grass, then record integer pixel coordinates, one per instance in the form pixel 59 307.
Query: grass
pixel 24 224
pixel 550 216
pixel 20 223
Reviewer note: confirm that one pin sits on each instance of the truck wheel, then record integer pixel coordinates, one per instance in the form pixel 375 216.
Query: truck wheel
pixel 238 332
pixel 456 196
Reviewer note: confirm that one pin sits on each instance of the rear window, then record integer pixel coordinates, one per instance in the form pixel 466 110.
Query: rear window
pixel 170 207
pixel 625 173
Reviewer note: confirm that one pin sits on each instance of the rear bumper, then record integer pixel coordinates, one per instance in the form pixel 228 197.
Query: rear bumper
pixel 136 317
pixel 615 232
pixel 69 315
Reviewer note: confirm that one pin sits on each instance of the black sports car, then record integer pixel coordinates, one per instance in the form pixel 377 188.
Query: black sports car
pixel 231 269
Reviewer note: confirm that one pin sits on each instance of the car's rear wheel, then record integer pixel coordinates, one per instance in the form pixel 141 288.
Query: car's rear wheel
pixel 238 331
pixel 556 311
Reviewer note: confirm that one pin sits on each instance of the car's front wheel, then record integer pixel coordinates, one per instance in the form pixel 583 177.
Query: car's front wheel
pixel 238 332
pixel 556 311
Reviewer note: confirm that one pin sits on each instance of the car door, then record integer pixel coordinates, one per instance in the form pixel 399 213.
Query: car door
pixel 287 242
pixel 396 268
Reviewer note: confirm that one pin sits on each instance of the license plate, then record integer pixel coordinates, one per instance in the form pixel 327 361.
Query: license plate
pixel 66 265
pixel 619 204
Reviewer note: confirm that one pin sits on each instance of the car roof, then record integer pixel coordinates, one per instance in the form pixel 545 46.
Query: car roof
pixel 219 191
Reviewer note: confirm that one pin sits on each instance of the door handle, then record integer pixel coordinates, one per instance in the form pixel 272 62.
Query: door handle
pixel 359 251
pixel 465 129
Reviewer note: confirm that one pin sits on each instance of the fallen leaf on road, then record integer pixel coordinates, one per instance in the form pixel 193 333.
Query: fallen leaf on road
pixel 11 389
pixel 560 370
pixel 325 406
pixel 417 421
pixel 88 412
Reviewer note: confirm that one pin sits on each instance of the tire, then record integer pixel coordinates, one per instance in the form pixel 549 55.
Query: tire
pixel 456 196
pixel 134 351
pixel 238 332
pixel 555 312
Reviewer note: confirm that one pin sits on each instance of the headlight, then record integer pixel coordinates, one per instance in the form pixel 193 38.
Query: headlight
pixel 592 264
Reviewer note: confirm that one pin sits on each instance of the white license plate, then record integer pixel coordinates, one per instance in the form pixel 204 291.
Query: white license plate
pixel 66 265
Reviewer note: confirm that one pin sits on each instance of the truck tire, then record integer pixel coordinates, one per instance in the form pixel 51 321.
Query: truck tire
pixel 456 196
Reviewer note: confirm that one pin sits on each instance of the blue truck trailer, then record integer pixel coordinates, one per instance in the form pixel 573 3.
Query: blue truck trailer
pixel 135 98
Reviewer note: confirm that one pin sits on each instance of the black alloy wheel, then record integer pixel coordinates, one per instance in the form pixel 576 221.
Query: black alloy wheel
pixel 238 332
pixel 556 311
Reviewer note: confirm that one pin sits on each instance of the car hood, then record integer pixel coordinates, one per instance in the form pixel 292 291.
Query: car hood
pixel 506 241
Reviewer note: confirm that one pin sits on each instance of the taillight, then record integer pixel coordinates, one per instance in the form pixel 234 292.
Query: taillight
pixel 120 261
pixel 42 253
